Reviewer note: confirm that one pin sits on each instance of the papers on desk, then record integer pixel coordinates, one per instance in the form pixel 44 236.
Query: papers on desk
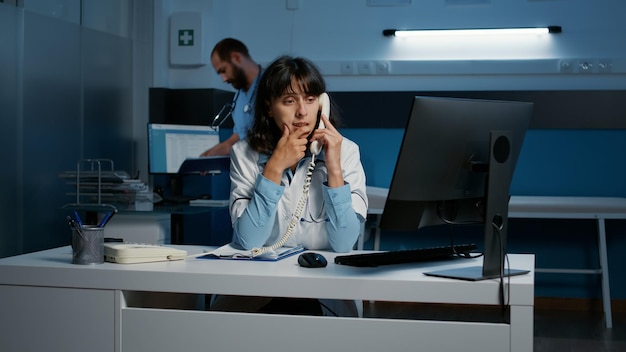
pixel 110 187
pixel 230 252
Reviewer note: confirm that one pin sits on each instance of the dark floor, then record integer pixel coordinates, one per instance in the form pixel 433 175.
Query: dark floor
pixel 575 330
pixel 570 327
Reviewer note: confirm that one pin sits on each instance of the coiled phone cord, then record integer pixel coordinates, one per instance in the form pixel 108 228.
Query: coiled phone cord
pixel 295 218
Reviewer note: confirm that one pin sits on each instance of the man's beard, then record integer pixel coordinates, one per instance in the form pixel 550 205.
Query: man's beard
pixel 239 81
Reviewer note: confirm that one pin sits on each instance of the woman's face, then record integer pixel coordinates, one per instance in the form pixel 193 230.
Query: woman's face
pixel 295 109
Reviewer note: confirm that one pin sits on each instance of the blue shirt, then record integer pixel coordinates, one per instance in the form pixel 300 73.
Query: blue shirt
pixel 243 117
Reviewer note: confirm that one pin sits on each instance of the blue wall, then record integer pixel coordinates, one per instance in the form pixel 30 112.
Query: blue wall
pixel 572 163
pixel 552 162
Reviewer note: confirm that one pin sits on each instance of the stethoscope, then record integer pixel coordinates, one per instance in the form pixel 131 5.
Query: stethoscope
pixel 227 110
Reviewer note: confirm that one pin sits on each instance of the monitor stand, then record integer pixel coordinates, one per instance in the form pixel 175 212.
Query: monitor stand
pixel 496 216
pixel 473 273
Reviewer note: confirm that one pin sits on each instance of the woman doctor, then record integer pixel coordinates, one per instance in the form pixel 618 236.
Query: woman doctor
pixel 269 169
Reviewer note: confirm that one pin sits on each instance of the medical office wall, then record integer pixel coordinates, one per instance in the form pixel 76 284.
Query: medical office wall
pixel 345 39
pixel 576 76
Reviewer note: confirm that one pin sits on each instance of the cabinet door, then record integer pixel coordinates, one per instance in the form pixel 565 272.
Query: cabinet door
pixel 56 319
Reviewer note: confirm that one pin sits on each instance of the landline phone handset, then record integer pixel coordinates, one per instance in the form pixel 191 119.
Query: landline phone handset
pixel 315 148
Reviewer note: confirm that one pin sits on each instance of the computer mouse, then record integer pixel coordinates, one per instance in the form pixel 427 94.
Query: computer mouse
pixel 312 260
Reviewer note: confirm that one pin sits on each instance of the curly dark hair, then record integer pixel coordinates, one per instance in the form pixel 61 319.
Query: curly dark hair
pixel 276 79
pixel 227 46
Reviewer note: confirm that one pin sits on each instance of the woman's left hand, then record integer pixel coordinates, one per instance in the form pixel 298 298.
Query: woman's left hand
pixel 331 140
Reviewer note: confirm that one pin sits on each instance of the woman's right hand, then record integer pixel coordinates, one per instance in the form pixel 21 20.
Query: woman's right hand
pixel 291 147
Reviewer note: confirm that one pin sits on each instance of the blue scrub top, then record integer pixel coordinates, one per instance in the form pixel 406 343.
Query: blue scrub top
pixel 244 117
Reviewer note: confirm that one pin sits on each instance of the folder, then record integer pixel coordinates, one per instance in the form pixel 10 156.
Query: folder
pixel 228 251
pixel 205 165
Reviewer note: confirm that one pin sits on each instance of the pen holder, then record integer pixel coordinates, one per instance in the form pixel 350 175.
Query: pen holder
pixel 88 245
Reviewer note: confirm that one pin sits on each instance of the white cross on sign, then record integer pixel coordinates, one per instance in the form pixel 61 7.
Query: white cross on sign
pixel 185 37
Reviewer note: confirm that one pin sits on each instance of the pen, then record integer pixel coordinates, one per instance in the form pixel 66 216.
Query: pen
pixel 105 219
pixel 77 218
pixel 75 226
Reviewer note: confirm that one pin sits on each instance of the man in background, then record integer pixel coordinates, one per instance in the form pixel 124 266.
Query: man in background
pixel 232 61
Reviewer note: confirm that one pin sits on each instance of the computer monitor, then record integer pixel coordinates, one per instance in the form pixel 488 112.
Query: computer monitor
pixel 169 145
pixel 455 166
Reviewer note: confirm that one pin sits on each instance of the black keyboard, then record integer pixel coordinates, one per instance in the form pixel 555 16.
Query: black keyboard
pixel 405 256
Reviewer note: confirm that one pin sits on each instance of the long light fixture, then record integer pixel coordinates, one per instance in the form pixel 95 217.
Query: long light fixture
pixel 476 31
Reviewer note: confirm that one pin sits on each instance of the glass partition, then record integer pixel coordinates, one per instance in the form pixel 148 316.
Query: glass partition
pixel 9 136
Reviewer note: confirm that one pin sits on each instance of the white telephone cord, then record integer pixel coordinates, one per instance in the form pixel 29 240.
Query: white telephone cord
pixel 295 218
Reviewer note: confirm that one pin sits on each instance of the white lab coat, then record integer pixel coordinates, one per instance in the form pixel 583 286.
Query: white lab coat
pixel 261 210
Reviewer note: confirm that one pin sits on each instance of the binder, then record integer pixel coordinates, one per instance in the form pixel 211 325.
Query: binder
pixel 206 165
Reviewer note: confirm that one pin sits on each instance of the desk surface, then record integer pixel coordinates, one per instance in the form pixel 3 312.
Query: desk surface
pixel 392 283
pixel 105 321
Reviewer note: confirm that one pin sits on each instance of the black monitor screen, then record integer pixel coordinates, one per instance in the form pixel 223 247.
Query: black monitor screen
pixel 445 144
pixel 169 145
pixel 446 163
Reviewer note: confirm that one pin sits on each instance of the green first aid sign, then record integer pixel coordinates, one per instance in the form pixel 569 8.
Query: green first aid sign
pixel 185 37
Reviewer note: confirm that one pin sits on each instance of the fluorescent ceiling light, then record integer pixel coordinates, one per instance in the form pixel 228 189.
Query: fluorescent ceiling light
pixel 476 31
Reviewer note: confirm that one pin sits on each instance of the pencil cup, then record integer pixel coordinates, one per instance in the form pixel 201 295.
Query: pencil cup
pixel 88 245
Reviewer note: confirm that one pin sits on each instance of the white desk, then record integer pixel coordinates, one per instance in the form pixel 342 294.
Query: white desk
pixel 538 207
pixel 49 304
